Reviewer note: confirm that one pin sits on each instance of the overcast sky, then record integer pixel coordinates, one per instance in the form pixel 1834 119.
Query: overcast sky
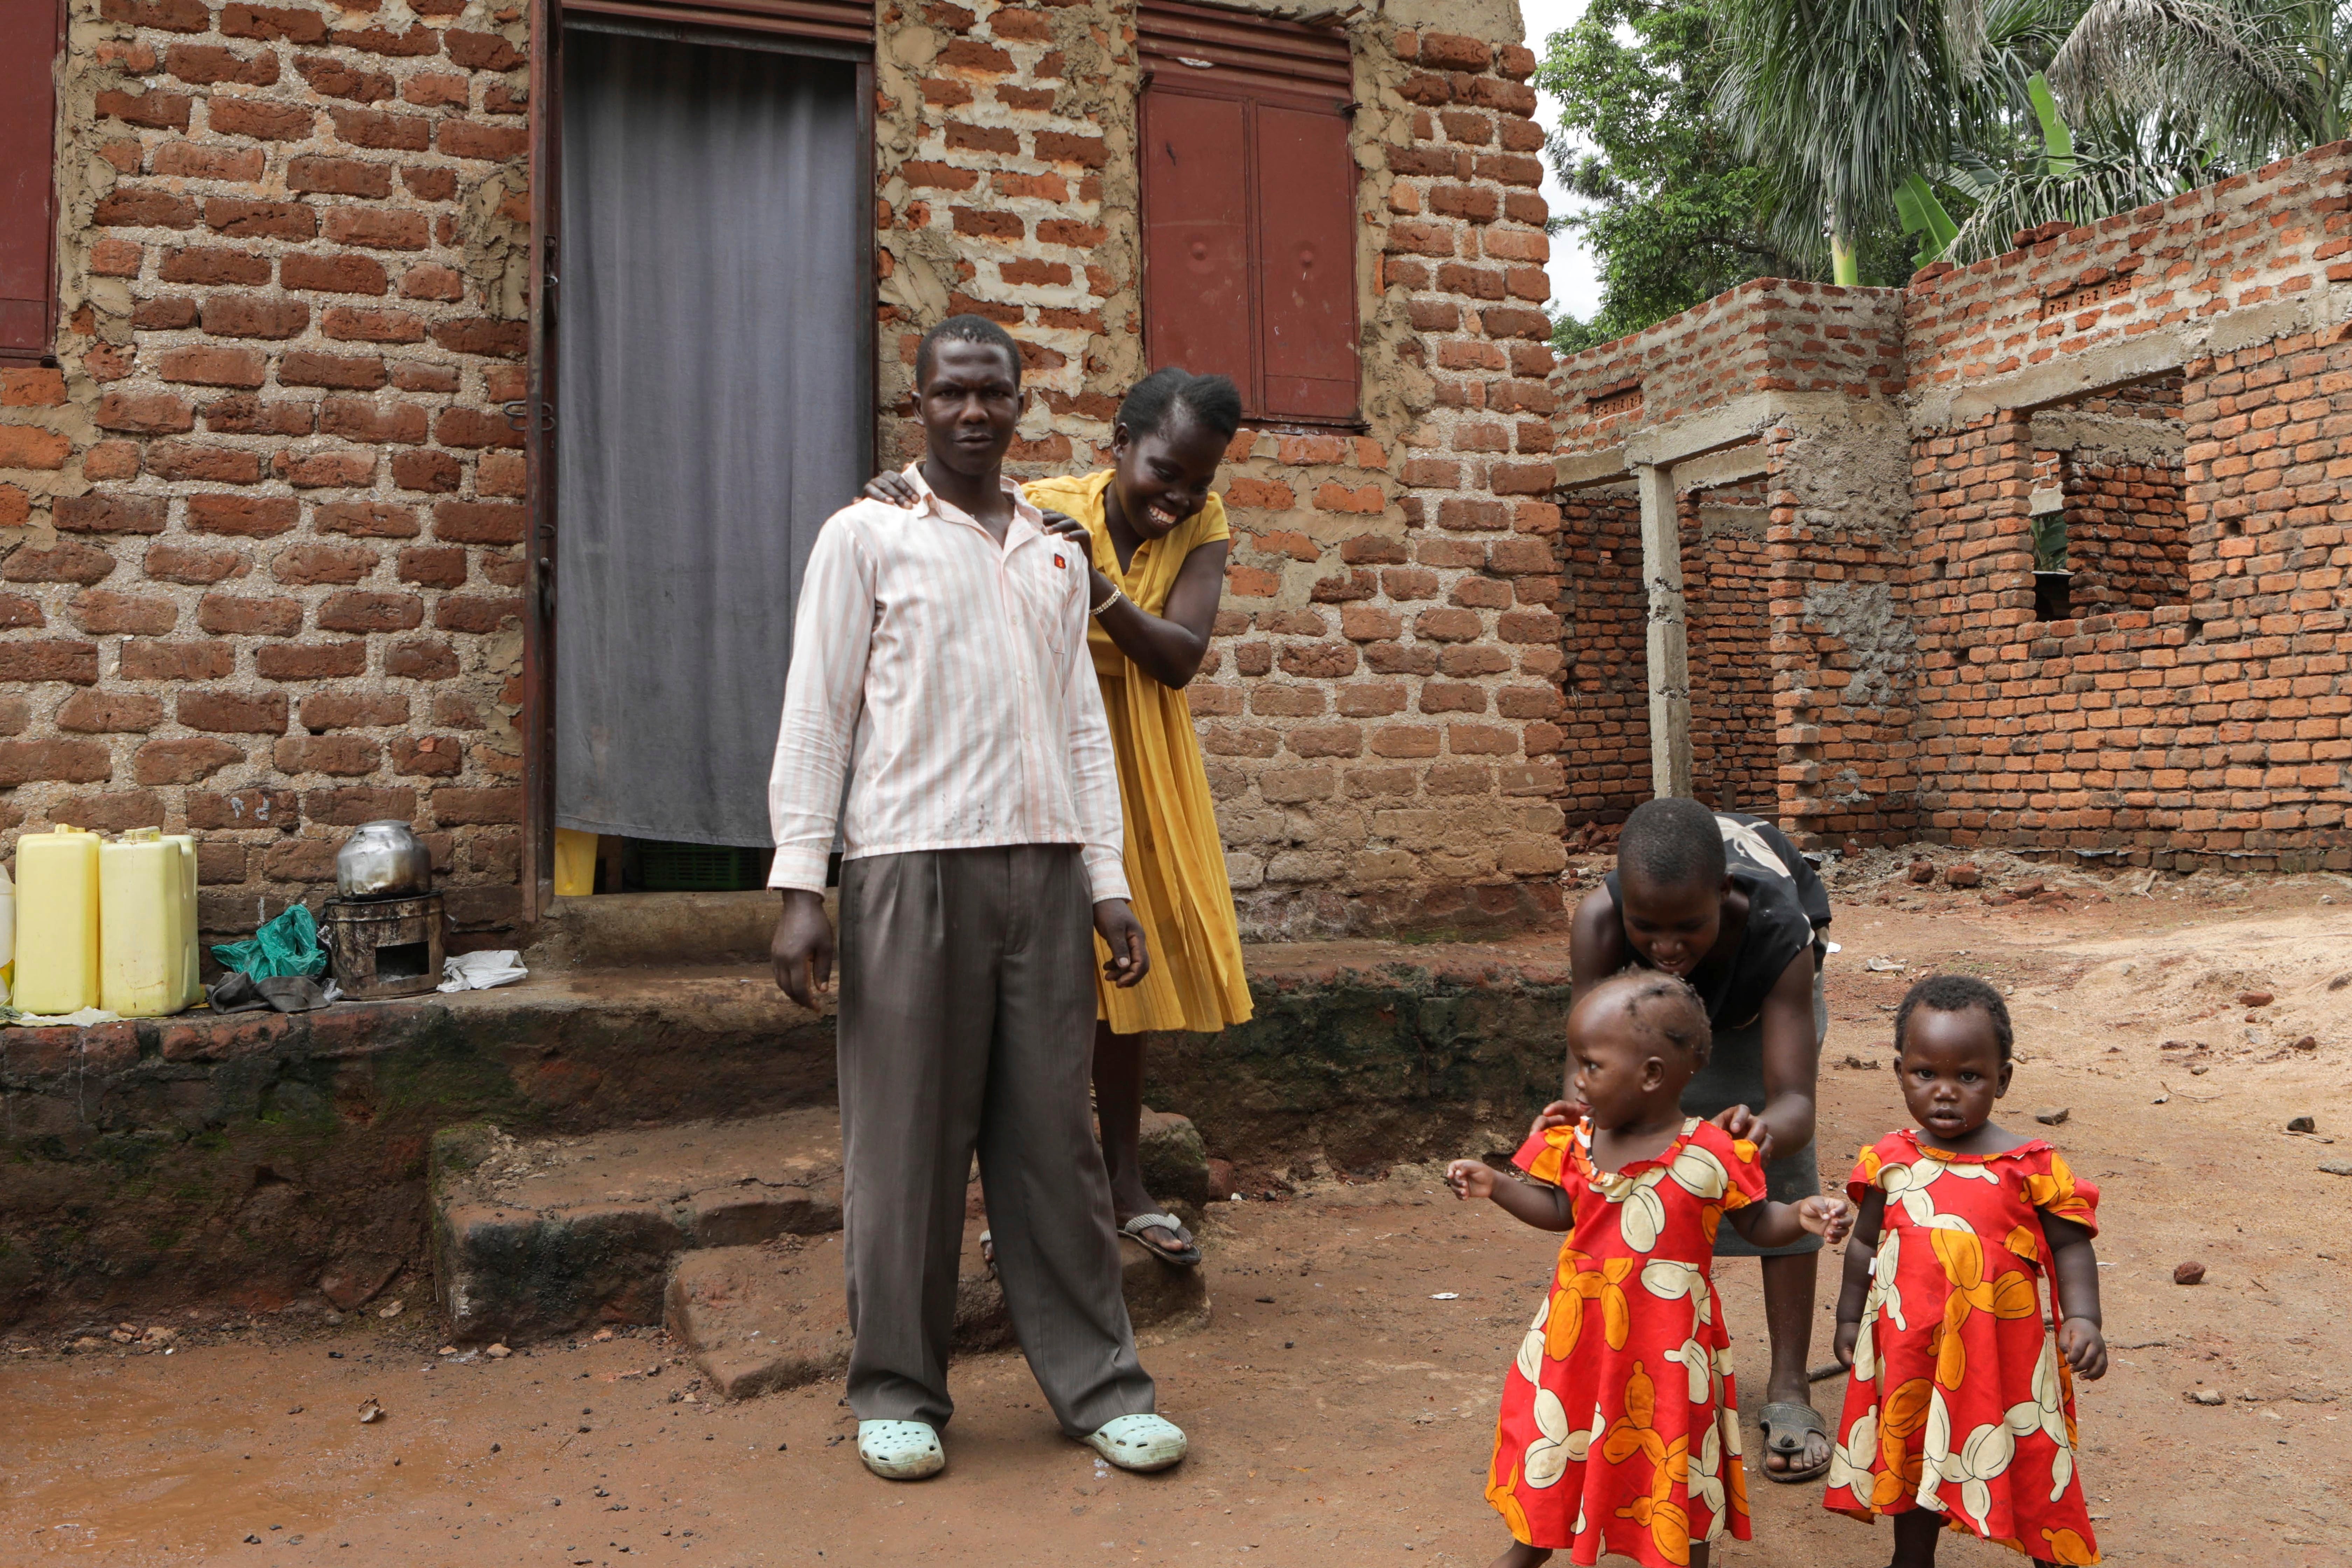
pixel 1574 287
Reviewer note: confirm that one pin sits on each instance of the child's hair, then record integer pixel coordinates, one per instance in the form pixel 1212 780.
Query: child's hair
pixel 1671 842
pixel 1955 993
pixel 1668 1008
pixel 1212 402
pixel 964 330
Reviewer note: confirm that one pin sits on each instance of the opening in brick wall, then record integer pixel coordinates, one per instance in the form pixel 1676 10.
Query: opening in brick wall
pixel 2108 526
pixel 1606 754
pixel 1727 594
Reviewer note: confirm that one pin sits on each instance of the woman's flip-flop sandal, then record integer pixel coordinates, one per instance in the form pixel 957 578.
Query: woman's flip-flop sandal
pixel 1186 1256
pixel 1785 1422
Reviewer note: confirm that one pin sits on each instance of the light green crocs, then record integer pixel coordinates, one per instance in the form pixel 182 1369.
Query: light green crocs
pixel 901 1450
pixel 1139 1443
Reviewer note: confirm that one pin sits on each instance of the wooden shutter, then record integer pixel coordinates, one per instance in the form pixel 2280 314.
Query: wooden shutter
pixel 828 21
pixel 1249 205
pixel 29 32
pixel 1196 235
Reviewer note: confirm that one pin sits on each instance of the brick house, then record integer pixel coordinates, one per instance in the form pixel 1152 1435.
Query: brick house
pixel 2048 551
pixel 284 415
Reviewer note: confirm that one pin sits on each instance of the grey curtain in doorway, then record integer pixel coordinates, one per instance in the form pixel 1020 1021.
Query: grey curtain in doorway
pixel 714 408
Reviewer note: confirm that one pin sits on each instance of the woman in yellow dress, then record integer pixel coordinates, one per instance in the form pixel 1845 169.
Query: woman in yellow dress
pixel 1157 539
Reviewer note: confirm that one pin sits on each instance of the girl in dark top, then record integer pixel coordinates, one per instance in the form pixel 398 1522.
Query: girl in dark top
pixel 1726 903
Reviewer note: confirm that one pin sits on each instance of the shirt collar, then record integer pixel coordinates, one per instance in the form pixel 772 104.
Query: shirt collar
pixel 1028 522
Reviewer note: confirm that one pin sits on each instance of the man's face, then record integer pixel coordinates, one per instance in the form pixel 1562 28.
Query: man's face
pixel 968 407
pixel 1673 928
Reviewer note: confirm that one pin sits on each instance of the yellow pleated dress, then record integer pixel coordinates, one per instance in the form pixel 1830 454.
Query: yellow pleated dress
pixel 1175 859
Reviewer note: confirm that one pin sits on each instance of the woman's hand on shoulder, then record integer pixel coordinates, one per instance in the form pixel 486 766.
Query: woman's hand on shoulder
pixel 1471 1179
pixel 1062 525
pixel 892 489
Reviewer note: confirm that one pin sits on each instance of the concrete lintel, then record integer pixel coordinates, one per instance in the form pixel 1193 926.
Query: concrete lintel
pixel 1725 466
pixel 1589 468
pixel 2119 364
pixel 2040 502
pixel 2135 440
pixel 1669 634
pixel 1742 419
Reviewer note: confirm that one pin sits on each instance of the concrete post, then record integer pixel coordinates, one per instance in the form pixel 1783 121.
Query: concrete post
pixel 1669 638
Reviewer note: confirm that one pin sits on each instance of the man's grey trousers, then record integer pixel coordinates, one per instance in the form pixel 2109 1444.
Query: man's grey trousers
pixel 967 1017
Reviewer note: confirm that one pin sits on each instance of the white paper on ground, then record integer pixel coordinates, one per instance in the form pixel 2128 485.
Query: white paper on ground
pixel 80 1020
pixel 480 971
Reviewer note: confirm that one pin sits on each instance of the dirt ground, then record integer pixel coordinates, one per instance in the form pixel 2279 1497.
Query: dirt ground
pixel 1340 1401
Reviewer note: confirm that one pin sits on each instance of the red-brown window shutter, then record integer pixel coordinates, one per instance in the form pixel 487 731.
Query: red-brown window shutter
pixel 29 30
pixel 1249 205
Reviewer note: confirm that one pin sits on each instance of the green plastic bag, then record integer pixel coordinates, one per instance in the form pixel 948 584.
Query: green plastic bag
pixel 287 945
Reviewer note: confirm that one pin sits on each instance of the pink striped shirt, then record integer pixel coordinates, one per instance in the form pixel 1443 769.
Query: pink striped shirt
pixel 949 681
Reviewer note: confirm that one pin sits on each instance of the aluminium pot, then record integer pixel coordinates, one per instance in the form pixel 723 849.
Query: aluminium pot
pixel 383 861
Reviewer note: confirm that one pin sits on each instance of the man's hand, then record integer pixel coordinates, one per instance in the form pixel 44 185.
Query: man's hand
pixel 803 949
pixel 1558 1113
pixel 1117 925
pixel 1746 1126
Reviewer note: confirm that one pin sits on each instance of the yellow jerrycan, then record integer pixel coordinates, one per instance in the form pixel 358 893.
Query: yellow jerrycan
pixel 56 921
pixel 194 960
pixel 143 949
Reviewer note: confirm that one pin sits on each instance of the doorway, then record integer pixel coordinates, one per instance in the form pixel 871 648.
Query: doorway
pixel 713 381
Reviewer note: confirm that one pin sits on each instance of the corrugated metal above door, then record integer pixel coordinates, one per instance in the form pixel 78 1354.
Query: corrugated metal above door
pixel 830 21
pixel 1254 57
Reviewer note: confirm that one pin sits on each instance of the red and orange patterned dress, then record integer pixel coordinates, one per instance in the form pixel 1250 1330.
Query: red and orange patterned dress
pixel 1620 1428
pixel 1960 1400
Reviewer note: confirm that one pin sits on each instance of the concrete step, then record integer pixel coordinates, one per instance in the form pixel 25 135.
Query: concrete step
pixel 759 1319
pixel 534 1239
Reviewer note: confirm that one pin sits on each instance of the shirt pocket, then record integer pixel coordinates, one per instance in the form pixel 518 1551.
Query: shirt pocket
pixel 1044 599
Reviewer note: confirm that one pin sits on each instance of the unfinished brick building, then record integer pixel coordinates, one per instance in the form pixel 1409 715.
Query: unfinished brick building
pixel 1864 483
pixel 284 419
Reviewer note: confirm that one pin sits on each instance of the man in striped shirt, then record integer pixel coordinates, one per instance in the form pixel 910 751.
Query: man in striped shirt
pixel 940 665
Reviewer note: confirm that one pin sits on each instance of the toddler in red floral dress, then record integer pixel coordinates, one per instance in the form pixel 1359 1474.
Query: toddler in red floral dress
pixel 1620 1424
pixel 1960 1412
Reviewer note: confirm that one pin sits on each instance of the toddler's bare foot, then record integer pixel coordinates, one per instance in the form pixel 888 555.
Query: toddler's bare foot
pixel 1520 1556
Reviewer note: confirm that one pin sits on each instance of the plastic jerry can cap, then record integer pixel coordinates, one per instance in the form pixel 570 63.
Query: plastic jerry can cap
pixel 141 835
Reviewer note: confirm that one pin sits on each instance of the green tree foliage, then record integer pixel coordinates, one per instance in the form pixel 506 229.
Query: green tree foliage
pixel 1675 215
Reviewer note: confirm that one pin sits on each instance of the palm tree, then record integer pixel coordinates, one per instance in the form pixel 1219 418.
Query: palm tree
pixel 1843 100
pixel 2251 78
pixel 2168 95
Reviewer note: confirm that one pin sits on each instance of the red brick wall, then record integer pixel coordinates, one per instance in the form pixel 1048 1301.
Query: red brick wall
pixel 263 520
pixel 1768 335
pixel 2264 240
pixel 2214 729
